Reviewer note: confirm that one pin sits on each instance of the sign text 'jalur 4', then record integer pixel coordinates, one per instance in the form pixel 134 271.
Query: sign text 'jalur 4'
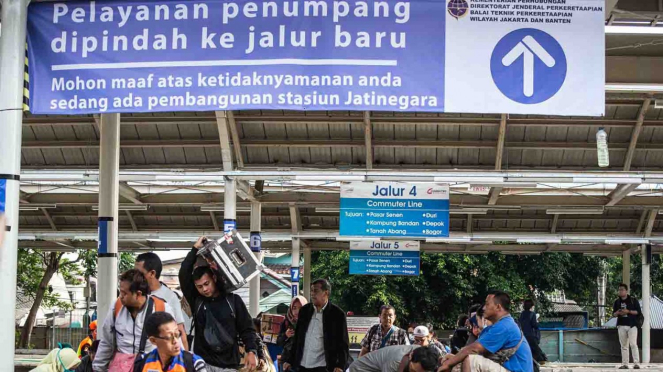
pixel 394 209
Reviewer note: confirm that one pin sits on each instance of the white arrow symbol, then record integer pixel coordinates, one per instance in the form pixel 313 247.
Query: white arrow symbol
pixel 528 47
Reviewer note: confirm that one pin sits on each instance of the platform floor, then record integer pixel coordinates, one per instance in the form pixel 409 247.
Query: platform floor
pixel 595 367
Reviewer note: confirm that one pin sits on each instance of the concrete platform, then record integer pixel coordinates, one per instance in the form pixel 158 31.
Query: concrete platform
pixel 596 367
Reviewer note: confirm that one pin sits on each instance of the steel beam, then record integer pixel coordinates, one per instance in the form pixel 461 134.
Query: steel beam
pixel 129 193
pixel 635 134
pixel 214 221
pixel 368 138
pixel 224 140
pixel 50 219
pixel 250 143
pixel 134 227
pixel 620 193
pixel 234 133
pixel 555 221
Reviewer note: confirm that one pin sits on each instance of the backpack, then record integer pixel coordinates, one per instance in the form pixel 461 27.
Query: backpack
pixel 641 317
pixel 152 302
pixel 189 366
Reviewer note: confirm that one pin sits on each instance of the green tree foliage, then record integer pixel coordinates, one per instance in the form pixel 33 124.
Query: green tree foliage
pixel 450 283
pixel 35 270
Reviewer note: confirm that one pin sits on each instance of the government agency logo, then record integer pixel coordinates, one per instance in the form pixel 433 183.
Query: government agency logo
pixel 458 8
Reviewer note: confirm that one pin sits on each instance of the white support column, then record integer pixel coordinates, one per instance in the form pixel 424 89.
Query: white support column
pixel 255 241
pixel 626 267
pixel 12 60
pixel 646 307
pixel 296 225
pixel 307 272
pixel 109 195
pixel 229 204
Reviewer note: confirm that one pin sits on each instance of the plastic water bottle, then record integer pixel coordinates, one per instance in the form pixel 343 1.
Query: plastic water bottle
pixel 602 148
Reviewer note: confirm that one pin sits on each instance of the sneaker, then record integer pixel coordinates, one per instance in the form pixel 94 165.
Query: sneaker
pixel 623 367
pixel 636 367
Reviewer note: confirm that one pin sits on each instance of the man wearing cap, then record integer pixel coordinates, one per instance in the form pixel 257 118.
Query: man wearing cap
pixel 87 341
pixel 384 334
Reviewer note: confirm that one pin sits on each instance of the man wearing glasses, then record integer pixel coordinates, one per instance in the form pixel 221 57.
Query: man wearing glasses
pixel 164 333
pixel 385 333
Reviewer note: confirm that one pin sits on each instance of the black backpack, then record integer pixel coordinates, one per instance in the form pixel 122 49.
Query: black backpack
pixel 188 363
pixel 641 317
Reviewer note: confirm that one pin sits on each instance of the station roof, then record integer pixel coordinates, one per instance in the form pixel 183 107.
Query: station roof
pixel 172 167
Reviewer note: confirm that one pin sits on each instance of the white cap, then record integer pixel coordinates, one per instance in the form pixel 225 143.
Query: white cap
pixel 421 331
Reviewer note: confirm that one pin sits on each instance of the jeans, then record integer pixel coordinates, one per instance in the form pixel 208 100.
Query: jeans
pixel 628 336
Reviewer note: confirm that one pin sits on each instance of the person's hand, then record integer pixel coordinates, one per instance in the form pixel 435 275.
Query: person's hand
pixel 200 243
pixel 251 361
pixel 338 370
pixel 286 366
pixel 444 367
pixel 289 333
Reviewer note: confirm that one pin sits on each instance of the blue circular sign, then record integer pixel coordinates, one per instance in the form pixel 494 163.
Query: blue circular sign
pixel 528 66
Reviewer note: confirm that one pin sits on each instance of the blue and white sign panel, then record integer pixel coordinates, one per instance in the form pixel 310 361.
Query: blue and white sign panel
pixel 386 257
pixel 394 209
pixel 512 56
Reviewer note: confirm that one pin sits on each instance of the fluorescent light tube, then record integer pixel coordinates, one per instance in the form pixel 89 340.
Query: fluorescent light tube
pixel 634 87
pixel 575 210
pixel 621 180
pixel 633 30
pixel 323 177
pixel 626 241
pixel 34 207
pixel 469 211
pixel 539 240
pixel 470 179
pixel 126 207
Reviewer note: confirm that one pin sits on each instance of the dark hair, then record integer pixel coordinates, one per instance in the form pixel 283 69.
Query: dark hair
pixel 151 262
pixel 201 271
pixel 461 320
pixel 323 283
pixel 427 357
pixel 622 285
pixel 501 298
pixel 257 323
pixel 528 304
pixel 386 307
pixel 480 312
pixel 137 280
pixel 156 320
pixel 95 346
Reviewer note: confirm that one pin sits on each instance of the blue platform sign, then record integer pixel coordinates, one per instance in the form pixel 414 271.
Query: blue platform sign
pixel 394 209
pixel 3 192
pixel 386 257
pixel 91 56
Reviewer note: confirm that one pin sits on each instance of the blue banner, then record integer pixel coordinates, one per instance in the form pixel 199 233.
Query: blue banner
pixel 370 262
pixel 146 56
pixel 3 193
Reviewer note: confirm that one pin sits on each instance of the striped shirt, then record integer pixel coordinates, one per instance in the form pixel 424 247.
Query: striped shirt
pixel 176 364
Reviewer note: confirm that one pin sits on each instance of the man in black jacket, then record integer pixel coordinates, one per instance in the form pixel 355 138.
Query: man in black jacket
pixel 626 309
pixel 219 317
pixel 321 341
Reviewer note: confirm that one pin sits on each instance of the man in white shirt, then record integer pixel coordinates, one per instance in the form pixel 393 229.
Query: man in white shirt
pixel 150 265
pixel 321 339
